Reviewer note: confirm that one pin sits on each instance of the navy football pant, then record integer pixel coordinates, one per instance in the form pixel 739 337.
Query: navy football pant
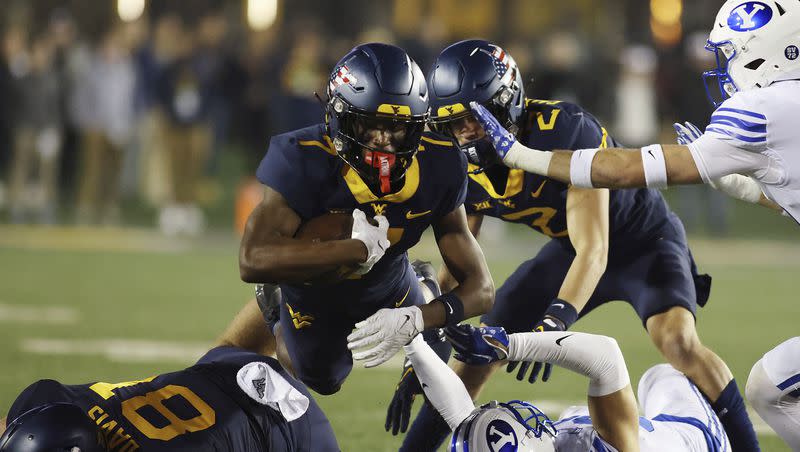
pixel 315 332
pixel 651 279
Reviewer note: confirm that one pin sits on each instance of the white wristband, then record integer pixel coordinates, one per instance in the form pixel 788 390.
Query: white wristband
pixel 527 159
pixel 580 168
pixel 655 166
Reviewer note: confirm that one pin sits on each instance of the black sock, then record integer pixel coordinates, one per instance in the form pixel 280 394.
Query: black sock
pixel 731 411
pixel 427 433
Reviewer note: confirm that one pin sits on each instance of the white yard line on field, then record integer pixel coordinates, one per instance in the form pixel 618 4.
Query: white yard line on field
pixel 50 315
pixel 118 349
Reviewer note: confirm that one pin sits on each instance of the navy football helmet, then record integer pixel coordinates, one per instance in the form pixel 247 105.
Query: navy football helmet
pixel 515 426
pixel 475 71
pixel 52 427
pixel 376 112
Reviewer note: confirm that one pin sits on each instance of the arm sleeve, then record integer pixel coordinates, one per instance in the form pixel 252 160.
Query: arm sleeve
pixel 597 357
pixel 442 386
pixel 284 169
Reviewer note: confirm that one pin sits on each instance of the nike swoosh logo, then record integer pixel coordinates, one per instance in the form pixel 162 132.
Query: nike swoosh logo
pixel 408 317
pixel 449 308
pixel 560 305
pixel 650 151
pixel 397 305
pixel 558 341
pixel 538 191
pixel 410 215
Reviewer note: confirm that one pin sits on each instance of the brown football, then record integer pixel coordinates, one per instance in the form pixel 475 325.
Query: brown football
pixel 324 228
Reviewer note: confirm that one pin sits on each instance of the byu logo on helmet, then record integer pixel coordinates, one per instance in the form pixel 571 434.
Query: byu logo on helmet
pixel 500 436
pixel 749 16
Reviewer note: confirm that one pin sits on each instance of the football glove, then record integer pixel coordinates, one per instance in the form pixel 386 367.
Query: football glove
pixel 478 346
pixel 687 133
pixel 374 238
pixel 384 334
pixel 501 138
pixel 399 412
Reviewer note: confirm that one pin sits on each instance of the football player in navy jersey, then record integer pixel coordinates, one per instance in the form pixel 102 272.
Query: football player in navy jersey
pixel 606 245
pixel 366 159
pixel 232 399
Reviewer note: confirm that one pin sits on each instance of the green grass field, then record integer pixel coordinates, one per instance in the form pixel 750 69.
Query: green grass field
pixel 114 294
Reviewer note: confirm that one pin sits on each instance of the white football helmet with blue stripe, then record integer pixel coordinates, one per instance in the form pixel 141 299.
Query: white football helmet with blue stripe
pixel 756 42
pixel 515 426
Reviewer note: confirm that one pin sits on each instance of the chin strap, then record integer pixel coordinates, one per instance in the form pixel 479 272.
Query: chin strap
pixel 383 162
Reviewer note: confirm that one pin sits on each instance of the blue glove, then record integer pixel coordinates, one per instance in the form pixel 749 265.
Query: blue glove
pixel 501 138
pixel 687 133
pixel 478 346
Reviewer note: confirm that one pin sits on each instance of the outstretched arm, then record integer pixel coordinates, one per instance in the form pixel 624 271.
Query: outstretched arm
pixel 442 386
pixel 704 160
pixel 612 405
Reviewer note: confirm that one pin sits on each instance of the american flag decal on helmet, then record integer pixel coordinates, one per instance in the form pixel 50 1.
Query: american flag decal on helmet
pixel 504 65
pixel 342 76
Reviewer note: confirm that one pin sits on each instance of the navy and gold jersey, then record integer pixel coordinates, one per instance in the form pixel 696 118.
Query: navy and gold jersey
pixel 303 167
pixel 201 408
pixel 539 202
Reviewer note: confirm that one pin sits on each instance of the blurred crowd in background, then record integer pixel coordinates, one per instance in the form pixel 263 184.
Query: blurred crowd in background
pixel 157 112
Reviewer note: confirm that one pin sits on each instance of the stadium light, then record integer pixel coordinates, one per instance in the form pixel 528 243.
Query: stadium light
pixel 665 21
pixel 261 14
pixel 130 10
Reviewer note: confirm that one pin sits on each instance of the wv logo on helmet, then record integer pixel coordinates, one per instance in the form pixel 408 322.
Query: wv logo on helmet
pixel 750 16
pixel 500 436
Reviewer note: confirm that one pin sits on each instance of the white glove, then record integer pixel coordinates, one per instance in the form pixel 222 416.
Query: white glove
pixel 687 133
pixel 374 238
pixel 385 333
pixel 739 187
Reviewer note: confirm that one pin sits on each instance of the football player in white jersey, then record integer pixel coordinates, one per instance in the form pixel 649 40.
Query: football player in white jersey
pixel 676 416
pixel 751 148
pixel 773 389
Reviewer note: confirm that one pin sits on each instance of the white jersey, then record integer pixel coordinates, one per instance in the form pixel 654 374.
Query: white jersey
pixel 757 133
pixel 773 389
pixel 676 419
pixel 782 365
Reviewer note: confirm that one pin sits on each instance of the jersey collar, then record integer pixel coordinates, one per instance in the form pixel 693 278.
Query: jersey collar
pixel 364 195
pixel 513 185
